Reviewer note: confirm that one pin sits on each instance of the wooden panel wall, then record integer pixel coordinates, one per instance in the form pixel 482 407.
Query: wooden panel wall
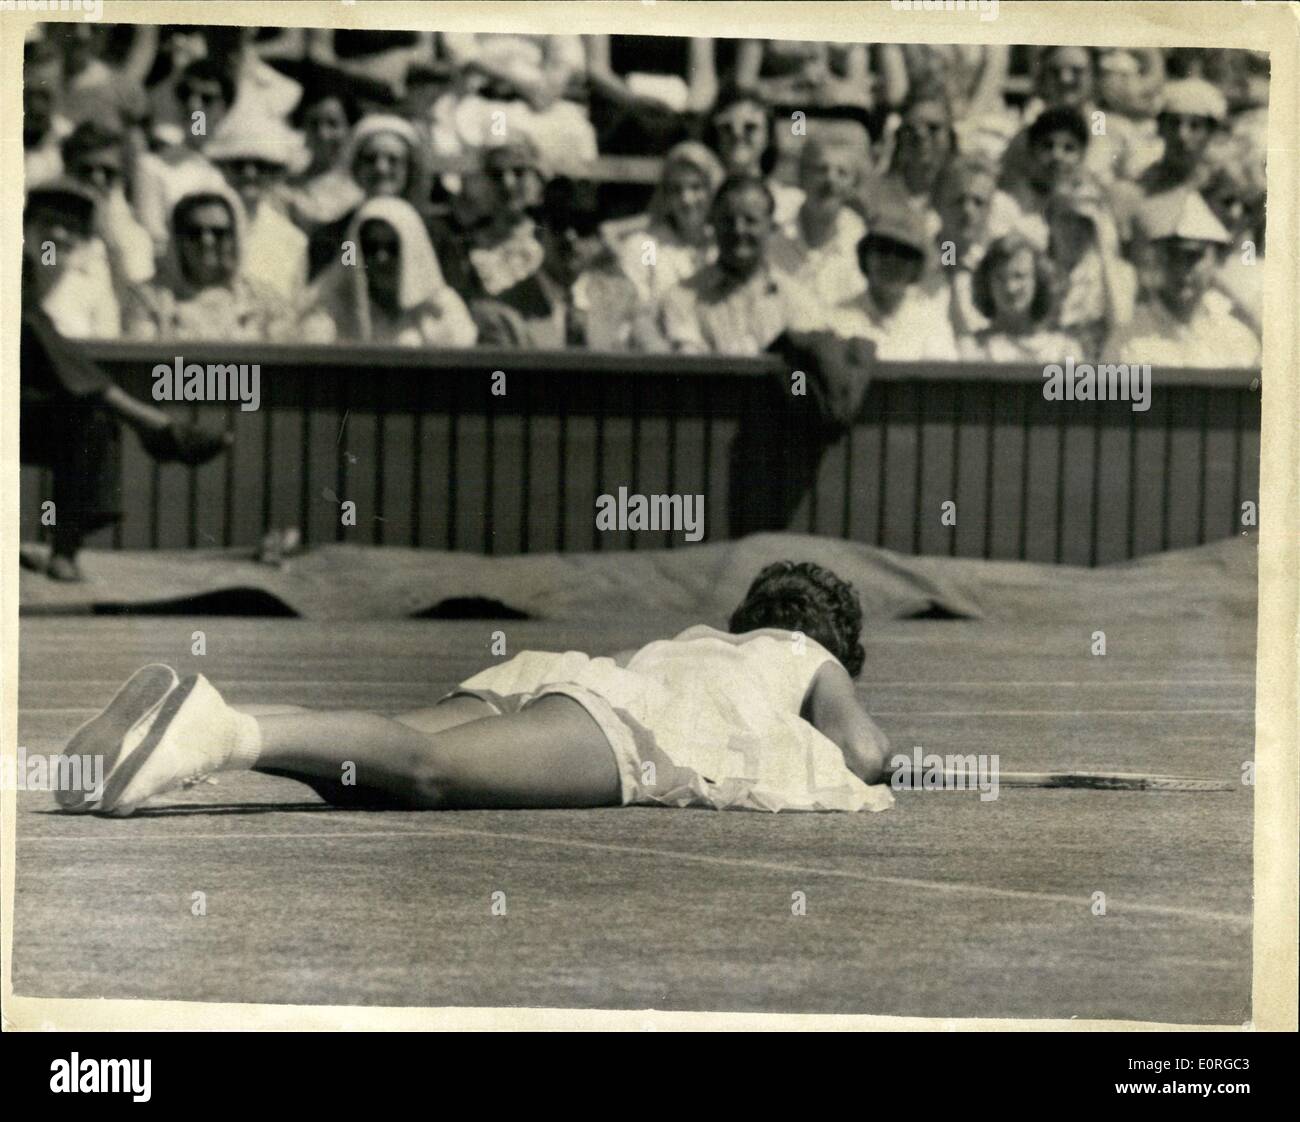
pixel 432 458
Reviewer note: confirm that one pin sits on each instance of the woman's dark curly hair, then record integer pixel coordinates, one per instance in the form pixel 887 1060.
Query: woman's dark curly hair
pixel 801 596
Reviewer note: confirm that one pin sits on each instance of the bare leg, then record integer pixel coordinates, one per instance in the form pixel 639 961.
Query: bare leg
pixel 446 714
pixel 550 754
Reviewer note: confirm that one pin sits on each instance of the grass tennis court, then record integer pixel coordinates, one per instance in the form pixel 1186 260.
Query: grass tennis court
pixel 942 906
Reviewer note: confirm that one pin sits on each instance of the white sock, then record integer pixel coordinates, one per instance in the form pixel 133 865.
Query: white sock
pixel 247 743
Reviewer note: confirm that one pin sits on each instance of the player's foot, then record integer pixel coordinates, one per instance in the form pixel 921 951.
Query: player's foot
pixel 121 725
pixel 64 568
pixel 193 733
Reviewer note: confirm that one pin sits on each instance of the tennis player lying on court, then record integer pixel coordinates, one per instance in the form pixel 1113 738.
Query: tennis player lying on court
pixel 761 718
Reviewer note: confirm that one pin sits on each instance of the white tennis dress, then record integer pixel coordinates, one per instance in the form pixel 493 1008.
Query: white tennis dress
pixel 703 719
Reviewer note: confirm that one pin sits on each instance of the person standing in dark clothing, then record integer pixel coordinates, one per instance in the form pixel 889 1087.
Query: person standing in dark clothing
pixel 71 410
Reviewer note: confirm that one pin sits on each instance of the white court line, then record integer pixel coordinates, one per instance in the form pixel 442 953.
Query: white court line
pixel 734 862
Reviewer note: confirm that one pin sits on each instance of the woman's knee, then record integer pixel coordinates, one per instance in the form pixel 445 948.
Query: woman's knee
pixel 431 784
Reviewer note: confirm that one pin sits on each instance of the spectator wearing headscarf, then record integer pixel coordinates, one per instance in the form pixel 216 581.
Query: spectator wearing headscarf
pixel 200 290
pixel 1014 290
pixel 393 292
pixel 818 251
pixel 95 158
pixel 741 130
pixel 673 240
pixel 386 157
pixel 1184 321
pixel 256 156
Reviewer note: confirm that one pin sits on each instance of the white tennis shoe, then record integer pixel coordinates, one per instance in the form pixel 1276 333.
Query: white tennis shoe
pixel 118 729
pixel 192 733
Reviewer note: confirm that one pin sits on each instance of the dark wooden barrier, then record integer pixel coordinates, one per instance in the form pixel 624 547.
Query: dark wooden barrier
pixel 432 458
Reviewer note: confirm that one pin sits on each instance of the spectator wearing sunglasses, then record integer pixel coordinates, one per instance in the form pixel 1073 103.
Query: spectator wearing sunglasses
pixel 95 158
pixel 201 290
pixel 741 131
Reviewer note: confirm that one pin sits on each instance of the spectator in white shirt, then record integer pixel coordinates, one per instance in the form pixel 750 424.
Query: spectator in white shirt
pixel 1185 321
pixel 256 156
pixel 818 250
pixel 895 313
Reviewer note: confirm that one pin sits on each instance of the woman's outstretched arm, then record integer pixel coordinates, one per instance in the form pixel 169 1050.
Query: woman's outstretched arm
pixel 836 713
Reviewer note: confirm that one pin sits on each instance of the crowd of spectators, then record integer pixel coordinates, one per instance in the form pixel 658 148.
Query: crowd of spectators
pixel 941 203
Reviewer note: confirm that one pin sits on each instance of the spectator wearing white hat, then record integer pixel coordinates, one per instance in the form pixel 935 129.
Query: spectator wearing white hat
pixel 1192 114
pixel 1184 322
pixel 256 155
